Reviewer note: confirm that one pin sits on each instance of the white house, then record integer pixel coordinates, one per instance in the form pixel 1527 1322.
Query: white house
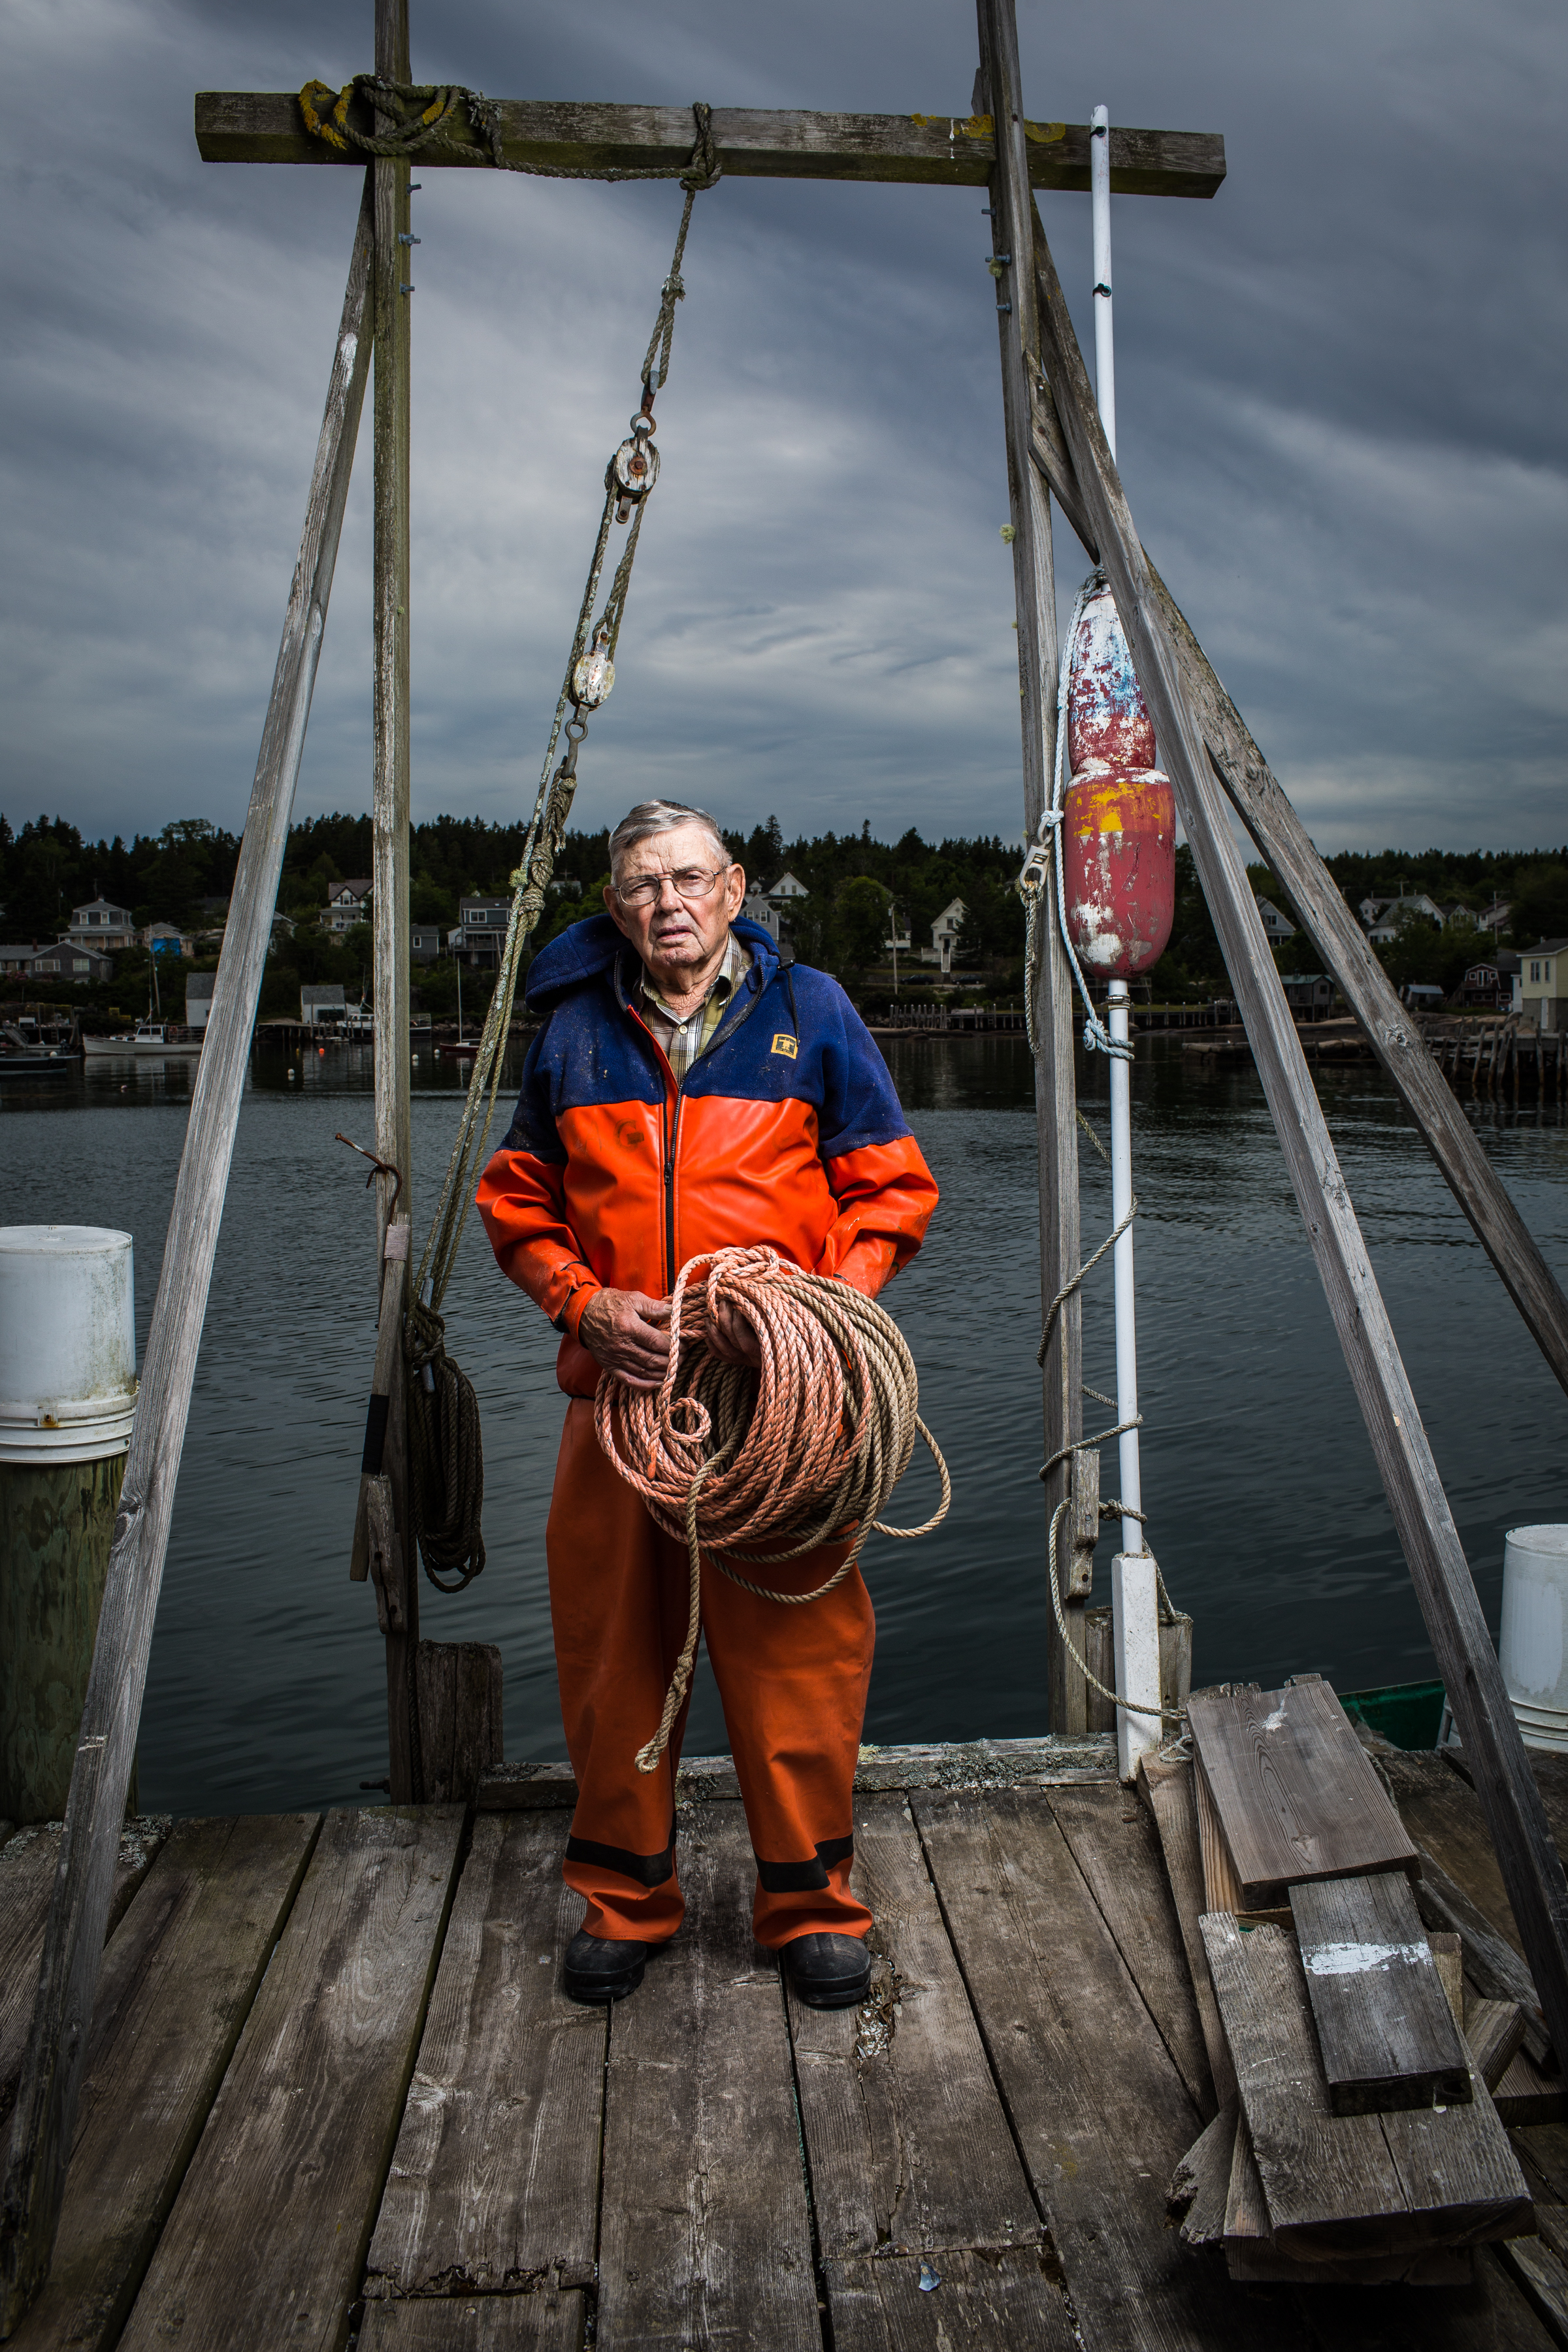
pixel 348 903
pixel 1495 918
pixel 1277 924
pixel 771 904
pixel 199 998
pixel 944 934
pixel 1382 916
pixel 102 925
pixel 1543 970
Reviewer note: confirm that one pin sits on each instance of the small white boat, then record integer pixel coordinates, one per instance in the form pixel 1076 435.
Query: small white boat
pixel 162 1038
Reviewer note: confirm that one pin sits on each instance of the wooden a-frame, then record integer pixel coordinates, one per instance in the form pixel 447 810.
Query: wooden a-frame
pixel 1054 443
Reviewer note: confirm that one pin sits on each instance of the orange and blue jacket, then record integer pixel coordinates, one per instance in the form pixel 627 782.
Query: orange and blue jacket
pixel 786 1129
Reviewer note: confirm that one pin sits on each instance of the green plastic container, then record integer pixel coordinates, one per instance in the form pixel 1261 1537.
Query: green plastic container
pixel 1408 1714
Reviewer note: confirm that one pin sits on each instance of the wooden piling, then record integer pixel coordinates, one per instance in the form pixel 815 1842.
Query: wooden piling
pixel 1034 589
pixel 56 1522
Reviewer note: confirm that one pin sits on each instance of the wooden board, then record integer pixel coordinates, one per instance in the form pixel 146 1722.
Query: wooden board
pixel 546 2321
pixel 1442 1814
pixel 1222 1888
pixel 907 2139
pixel 705 2235
pixel 176 1986
pixel 1200 2187
pixel 267 2236
pixel 28 1865
pixel 1100 2112
pixel 1115 1845
pixel 1494 2032
pixel 1385 2032
pixel 1168 1791
pixel 979 2301
pixel 494 2180
pixel 1543 2275
pixel 1043 1762
pixel 1295 1797
pixel 1347 2185
pixel 458 1686
pixel 236 126
pixel 1526 2095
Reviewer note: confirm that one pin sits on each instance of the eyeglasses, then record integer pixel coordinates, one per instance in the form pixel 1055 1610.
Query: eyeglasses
pixel 692 882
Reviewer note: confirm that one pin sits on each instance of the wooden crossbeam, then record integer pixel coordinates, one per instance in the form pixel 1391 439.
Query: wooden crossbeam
pixel 241 126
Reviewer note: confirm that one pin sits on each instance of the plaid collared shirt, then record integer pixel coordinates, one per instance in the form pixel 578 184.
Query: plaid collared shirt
pixel 683 1040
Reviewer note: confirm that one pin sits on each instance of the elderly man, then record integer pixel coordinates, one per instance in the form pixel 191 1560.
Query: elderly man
pixel 688 1091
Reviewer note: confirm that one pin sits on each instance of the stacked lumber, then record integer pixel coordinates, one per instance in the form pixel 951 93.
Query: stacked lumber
pixel 1356 2139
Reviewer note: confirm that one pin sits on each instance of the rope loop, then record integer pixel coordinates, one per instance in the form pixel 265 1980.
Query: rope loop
pixel 759 1466
pixel 422 114
pixel 445 1455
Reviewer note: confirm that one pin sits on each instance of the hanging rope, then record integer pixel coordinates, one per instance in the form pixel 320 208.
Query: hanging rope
pixel 447 1477
pixel 804 1450
pixel 424 116
pixel 1045 851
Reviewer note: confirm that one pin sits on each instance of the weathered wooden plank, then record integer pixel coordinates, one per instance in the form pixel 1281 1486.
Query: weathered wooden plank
pixel 1526 2095
pixel 1168 1791
pixel 1055 1100
pixel 237 126
pixel 1385 2032
pixel 267 2236
pixel 1115 1845
pixel 494 2180
pixel 1494 2032
pixel 1543 2275
pixel 28 1863
pixel 387 1375
pixel 1222 1888
pixel 1358 2184
pixel 1429 1536
pixel 176 1986
pixel 1044 1762
pixel 908 2142
pixel 1101 2114
pixel 1443 1815
pixel 1296 1796
pixel 705 2236
pixel 460 1730
pixel 1329 2184
pixel 548 2320
pixel 1200 2186
pixel 979 2300
pixel 35 2172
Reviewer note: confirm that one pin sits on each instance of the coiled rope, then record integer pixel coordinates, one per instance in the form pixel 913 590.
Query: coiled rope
pixel 804 1449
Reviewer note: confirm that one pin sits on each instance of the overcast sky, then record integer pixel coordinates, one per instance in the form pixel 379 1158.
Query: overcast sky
pixel 1340 403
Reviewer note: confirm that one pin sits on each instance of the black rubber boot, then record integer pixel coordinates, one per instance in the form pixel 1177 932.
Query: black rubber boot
pixel 828 1971
pixel 599 1969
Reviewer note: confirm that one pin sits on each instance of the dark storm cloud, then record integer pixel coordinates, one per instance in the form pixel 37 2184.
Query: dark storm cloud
pixel 1338 389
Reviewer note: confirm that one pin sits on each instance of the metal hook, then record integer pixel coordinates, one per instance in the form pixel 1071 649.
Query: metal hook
pixel 377 1168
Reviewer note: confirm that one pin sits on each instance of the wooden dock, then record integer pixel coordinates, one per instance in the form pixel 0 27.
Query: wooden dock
pixel 336 2095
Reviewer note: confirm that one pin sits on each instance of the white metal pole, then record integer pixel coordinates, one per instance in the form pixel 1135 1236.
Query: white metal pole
pixel 1134 1590
pixel 1104 337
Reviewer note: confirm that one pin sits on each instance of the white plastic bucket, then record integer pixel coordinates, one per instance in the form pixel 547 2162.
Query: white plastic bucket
pixel 1533 1646
pixel 68 1343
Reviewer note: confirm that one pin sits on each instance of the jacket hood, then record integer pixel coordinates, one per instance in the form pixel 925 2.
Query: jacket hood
pixel 586 950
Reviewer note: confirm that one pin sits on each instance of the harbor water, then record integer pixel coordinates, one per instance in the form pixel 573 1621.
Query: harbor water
pixel 266 1686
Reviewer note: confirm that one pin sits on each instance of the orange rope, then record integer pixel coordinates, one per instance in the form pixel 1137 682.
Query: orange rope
pixel 804 1450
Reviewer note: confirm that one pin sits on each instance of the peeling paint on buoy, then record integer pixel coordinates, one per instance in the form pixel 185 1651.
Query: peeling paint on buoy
pixel 1118 824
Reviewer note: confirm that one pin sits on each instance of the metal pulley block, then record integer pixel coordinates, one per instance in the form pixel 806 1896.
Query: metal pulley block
pixel 594 673
pixel 633 469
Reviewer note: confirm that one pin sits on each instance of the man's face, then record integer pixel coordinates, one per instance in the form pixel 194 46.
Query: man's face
pixel 669 931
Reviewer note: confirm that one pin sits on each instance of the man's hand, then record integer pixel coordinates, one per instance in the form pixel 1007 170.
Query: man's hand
pixel 731 1337
pixel 628 1333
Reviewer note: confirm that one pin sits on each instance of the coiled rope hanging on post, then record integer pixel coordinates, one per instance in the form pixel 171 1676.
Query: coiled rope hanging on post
pixel 804 1450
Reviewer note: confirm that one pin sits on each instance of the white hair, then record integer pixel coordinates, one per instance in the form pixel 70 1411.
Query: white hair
pixel 651 818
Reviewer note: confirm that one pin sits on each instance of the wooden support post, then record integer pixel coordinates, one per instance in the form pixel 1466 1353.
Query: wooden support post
pixel 1531 1871
pixel 44 2123
pixel 1034 587
pixel 389 855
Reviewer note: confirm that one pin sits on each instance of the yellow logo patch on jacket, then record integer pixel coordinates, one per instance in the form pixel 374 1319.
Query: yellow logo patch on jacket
pixel 785 1044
